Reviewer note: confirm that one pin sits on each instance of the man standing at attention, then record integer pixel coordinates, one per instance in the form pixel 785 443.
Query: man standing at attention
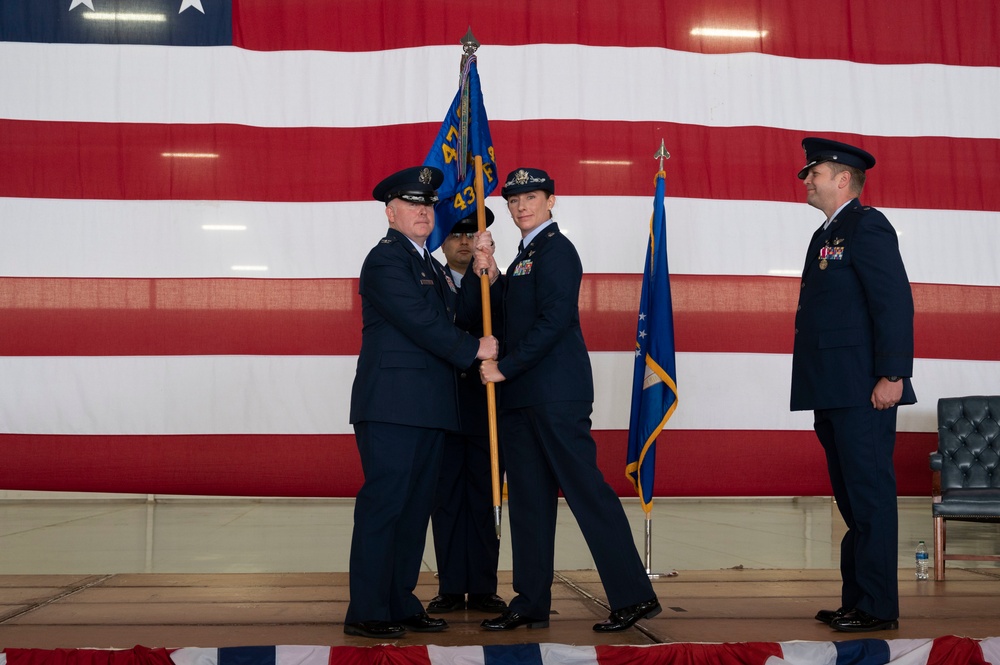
pixel 465 541
pixel 402 402
pixel 852 359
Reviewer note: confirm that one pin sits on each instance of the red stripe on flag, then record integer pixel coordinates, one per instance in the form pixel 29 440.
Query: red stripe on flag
pixel 123 317
pixel 712 314
pixel 744 463
pixel 952 649
pixel 279 465
pixel 125 161
pixel 379 654
pixel 921 30
pixel 137 655
pixel 681 653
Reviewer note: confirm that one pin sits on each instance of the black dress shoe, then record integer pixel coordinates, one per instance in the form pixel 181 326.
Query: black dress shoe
pixel 857 621
pixel 827 616
pixel 627 616
pixel 486 602
pixel 375 629
pixel 511 620
pixel 421 623
pixel 446 602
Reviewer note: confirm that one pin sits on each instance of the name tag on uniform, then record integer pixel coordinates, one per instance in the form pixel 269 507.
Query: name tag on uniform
pixel 428 282
pixel 522 268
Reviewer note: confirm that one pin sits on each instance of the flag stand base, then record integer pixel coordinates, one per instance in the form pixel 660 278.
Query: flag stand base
pixel 649 549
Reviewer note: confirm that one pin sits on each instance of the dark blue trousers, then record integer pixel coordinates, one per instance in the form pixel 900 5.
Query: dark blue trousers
pixel 465 541
pixel 391 514
pixel 859 443
pixel 547 448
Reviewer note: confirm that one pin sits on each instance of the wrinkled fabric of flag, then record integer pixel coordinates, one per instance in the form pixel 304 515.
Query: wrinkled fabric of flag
pixel 185 206
pixel 946 650
pixel 654 379
pixel 451 152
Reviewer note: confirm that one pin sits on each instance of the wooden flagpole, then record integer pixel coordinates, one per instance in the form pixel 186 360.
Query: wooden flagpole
pixel 491 396
pixel 469 47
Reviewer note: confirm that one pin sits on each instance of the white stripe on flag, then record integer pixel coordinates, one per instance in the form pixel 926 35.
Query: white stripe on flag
pixel 232 85
pixel 468 655
pixel 195 656
pixel 301 655
pixel 565 654
pixel 991 650
pixel 909 652
pixel 805 653
pixel 97 238
pixel 311 394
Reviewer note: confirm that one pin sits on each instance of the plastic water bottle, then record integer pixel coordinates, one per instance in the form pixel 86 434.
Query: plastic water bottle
pixel 921 561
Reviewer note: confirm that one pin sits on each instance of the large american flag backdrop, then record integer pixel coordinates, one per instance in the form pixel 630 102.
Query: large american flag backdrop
pixel 185 206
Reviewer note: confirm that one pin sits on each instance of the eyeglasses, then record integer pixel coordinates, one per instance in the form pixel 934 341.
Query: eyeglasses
pixel 459 236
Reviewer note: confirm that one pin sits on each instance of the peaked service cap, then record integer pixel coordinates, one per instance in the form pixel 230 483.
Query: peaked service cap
pixel 470 223
pixel 417 184
pixel 527 180
pixel 819 150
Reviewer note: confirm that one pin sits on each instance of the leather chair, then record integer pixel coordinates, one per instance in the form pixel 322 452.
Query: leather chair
pixel 966 466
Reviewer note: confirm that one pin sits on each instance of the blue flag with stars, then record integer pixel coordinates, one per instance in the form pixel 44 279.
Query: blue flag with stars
pixel 654 385
pixel 150 22
pixel 454 151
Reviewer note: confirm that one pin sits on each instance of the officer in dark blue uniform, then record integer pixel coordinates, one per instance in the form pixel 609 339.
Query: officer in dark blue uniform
pixel 402 402
pixel 465 542
pixel 852 359
pixel 545 400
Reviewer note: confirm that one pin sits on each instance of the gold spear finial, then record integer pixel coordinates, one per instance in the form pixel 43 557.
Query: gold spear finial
pixel 662 154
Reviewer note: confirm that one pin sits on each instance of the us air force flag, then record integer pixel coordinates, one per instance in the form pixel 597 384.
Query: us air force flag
pixel 654 388
pixel 454 151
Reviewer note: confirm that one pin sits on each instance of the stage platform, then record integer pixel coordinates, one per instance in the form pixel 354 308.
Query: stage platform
pixel 238 609
pixel 215 573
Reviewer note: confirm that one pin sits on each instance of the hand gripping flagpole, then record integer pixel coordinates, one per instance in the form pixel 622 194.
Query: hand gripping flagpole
pixel 661 154
pixel 469 46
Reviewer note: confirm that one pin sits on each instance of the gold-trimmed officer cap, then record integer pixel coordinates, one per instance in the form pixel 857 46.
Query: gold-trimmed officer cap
pixel 819 150
pixel 470 223
pixel 417 184
pixel 527 180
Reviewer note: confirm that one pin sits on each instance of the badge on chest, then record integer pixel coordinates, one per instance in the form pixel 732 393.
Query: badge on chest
pixel 831 252
pixel 522 268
